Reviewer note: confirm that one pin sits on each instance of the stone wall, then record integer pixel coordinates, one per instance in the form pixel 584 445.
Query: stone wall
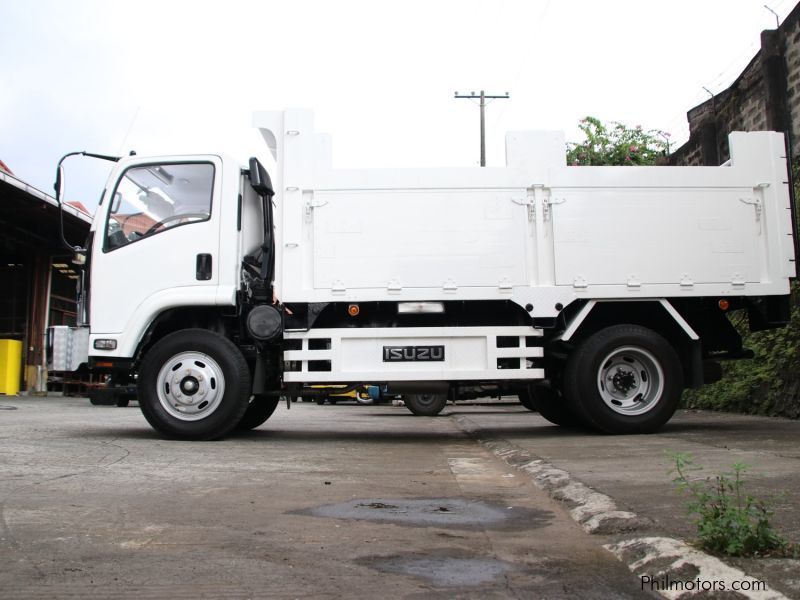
pixel 792 56
pixel 766 96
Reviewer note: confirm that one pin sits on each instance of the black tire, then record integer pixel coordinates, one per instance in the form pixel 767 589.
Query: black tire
pixel 550 404
pixel 123 402
pixel 425 405
pixel 258 411
pixel 624 379
pixel 194 385
pixel 526 399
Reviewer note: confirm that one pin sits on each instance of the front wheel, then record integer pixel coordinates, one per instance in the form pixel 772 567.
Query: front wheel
pixel 194 384
pixel 425 405
pixel 624 379
pixel 258 411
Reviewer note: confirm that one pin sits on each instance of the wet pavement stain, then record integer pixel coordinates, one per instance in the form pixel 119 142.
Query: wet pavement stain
pixel 456 573
pixel 456 513
pixel 444 571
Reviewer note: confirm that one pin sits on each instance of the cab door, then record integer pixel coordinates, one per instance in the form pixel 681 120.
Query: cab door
pixel 157 244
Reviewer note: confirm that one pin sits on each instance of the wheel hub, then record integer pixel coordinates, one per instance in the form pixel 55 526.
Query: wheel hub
pixel 624 381
pixel 630 380
pixel 426 399
pixel 190 386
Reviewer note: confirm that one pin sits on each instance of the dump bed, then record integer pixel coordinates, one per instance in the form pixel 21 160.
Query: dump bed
pixel 537 231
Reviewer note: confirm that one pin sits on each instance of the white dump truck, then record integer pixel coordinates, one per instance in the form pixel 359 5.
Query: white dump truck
pixel 596 294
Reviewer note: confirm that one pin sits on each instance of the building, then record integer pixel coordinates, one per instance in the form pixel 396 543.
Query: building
pixel 765 96
pixel 37 279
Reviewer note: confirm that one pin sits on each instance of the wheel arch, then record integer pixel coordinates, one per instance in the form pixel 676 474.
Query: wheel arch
pixel 656 314
pixel 212 318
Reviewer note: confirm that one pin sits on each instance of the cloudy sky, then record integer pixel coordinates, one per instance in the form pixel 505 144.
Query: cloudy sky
pixel 170 76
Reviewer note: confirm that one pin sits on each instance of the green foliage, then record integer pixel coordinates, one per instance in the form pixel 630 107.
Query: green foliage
pixel 767 385
pixel 729 521
pixel 616 144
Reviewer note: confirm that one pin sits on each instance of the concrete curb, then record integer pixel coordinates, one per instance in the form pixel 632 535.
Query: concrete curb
pixel 666 560
pixel 672 568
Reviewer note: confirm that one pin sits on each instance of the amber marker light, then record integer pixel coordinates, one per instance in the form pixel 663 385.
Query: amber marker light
pixel 353 310
pixel 724 304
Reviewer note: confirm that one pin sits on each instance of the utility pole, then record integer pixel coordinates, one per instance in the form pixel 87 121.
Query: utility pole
pixel 483 97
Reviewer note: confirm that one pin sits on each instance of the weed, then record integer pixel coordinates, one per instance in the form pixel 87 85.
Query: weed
pixel 729 521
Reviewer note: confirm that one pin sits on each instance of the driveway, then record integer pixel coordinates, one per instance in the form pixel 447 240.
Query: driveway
pixel 357 501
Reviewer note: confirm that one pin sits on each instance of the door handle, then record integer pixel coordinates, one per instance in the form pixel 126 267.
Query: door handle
pixel 203 267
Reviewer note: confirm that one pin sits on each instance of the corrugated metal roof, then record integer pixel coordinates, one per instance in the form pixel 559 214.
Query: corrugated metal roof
pixel 36 193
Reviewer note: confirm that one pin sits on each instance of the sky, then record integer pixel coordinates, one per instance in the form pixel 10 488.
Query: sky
pixel 173 76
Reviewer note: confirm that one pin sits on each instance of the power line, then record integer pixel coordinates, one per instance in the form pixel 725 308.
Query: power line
pixel 678 124
pixel 483 97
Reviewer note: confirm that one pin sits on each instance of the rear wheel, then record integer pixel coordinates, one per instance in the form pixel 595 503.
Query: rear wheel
pixel 624 379
pixel 550 404
pixel 526 399
pixel 194 384
pixel 425 405
pixel 258 411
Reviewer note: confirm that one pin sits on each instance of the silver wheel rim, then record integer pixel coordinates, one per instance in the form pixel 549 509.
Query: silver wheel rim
pixel 630 381
pixel 190 386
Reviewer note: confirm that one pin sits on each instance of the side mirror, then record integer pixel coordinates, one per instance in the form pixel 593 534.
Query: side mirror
pixel 259 178
pixel 58 187
pixel 59 184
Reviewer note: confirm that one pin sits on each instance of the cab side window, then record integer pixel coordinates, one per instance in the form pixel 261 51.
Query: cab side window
pixel 151 199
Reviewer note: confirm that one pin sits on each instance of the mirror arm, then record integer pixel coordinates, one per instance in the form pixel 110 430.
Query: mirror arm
pixel 59 185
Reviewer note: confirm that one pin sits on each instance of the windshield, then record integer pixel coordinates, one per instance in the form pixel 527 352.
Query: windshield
pixel 153 198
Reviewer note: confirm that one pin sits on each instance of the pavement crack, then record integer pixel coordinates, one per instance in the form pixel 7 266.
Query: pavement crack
pixel 126 454
pixel 8 535
pixel 11 541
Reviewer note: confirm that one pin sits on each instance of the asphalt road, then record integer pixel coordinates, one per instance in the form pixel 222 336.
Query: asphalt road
pixel 345 501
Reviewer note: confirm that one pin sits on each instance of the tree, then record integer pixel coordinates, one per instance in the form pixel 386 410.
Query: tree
pixel 617 144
